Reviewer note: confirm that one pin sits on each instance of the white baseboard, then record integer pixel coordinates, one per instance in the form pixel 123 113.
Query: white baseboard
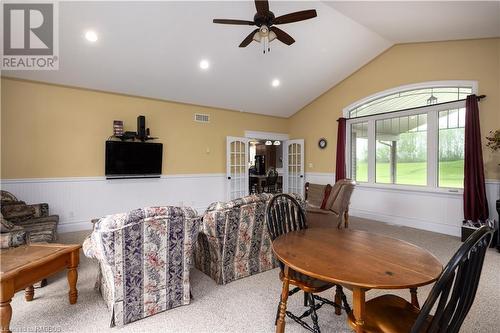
pixel 407 222
pixel 71 226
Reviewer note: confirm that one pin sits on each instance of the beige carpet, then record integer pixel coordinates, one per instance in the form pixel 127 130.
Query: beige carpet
pixel 246 305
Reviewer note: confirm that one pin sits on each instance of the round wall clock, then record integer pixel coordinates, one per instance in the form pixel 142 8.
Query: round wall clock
pixel 322 143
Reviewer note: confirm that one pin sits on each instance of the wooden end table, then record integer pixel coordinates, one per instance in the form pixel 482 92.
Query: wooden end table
pixel 25 265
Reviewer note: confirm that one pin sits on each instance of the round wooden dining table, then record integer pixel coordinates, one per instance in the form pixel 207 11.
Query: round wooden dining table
pixel 356 260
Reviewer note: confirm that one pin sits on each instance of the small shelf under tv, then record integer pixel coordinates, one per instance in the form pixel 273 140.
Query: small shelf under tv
pixel 133 138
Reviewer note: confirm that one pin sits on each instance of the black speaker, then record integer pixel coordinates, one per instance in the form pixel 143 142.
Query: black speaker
pixel 141 127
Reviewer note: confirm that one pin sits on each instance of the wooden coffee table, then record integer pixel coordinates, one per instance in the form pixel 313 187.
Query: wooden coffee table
pixel 25 265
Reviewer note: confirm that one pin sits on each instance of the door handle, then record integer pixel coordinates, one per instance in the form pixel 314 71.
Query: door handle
pixel 228 177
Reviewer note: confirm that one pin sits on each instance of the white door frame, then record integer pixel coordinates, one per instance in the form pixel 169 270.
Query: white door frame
pixel 266 135
pixel 244 191
pixel 301 175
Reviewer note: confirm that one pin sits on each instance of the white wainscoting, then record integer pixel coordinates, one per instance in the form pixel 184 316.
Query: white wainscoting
pixel 78 200
pixel 493 194
pixel 320 177
pixel 437 212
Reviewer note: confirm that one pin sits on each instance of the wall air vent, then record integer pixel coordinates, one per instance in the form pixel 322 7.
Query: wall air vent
pixel 201 118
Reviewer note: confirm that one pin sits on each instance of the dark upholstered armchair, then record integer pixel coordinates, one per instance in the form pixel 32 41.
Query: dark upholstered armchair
pixel 23 223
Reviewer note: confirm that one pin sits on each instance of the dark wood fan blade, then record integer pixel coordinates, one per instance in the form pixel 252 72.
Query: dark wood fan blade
pixel 248 39
pixel 295 17
pixel 283 36
pixel 230 21
pixel 262 7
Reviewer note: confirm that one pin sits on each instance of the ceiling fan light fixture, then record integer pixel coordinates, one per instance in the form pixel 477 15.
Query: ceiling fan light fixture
pixel 264 30
pixel 257 37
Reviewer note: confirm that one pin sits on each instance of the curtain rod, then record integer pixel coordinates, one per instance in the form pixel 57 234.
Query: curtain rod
pixel 480 97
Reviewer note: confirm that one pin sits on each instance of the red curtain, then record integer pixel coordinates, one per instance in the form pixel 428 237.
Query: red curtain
pixel 340 163
pixel 475 202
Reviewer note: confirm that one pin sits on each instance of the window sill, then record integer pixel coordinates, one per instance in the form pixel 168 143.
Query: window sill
pixel 419 189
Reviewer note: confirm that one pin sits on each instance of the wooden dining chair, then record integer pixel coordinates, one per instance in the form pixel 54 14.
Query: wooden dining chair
pixel 454 293
pixel 284 214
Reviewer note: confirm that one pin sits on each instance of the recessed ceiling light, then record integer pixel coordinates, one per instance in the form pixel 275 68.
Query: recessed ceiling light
pixel 275 83
pixel 204 64
pixel 91 36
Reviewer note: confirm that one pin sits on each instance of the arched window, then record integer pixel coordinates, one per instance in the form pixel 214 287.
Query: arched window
pixel 411 135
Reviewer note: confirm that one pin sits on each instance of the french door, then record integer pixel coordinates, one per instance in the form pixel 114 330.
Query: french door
pixel 237 167
pixel 293 166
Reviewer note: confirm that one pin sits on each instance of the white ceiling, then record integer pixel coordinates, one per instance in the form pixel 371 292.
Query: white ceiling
pixel 420 21
pixel 152 49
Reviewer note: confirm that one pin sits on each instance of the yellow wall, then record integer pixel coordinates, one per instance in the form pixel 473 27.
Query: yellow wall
pixel 400 65
pixel 53 131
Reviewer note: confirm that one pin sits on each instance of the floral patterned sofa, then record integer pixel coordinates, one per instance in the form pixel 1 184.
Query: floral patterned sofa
pixel 144 260
pixel 234 242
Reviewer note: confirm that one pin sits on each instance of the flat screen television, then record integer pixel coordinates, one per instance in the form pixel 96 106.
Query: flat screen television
pixel 133 159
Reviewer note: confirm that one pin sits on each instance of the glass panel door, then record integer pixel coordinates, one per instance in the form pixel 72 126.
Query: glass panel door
pixel 237 167
pixel 294 166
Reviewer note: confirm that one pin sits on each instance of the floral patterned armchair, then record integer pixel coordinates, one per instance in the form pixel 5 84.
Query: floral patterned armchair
pixel 234 242
pixel 144 260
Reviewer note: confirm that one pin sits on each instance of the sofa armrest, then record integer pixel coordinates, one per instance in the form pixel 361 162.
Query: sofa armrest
pixel 40 210
pixel 17 212
pixel 88 248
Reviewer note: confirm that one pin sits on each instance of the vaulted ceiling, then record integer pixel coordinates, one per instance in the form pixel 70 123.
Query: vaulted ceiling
pixel 153 49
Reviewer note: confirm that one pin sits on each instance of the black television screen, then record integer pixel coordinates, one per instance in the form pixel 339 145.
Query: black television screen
pixel 133 159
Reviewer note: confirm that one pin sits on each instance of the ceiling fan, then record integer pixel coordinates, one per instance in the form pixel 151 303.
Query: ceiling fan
pixel 265 20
